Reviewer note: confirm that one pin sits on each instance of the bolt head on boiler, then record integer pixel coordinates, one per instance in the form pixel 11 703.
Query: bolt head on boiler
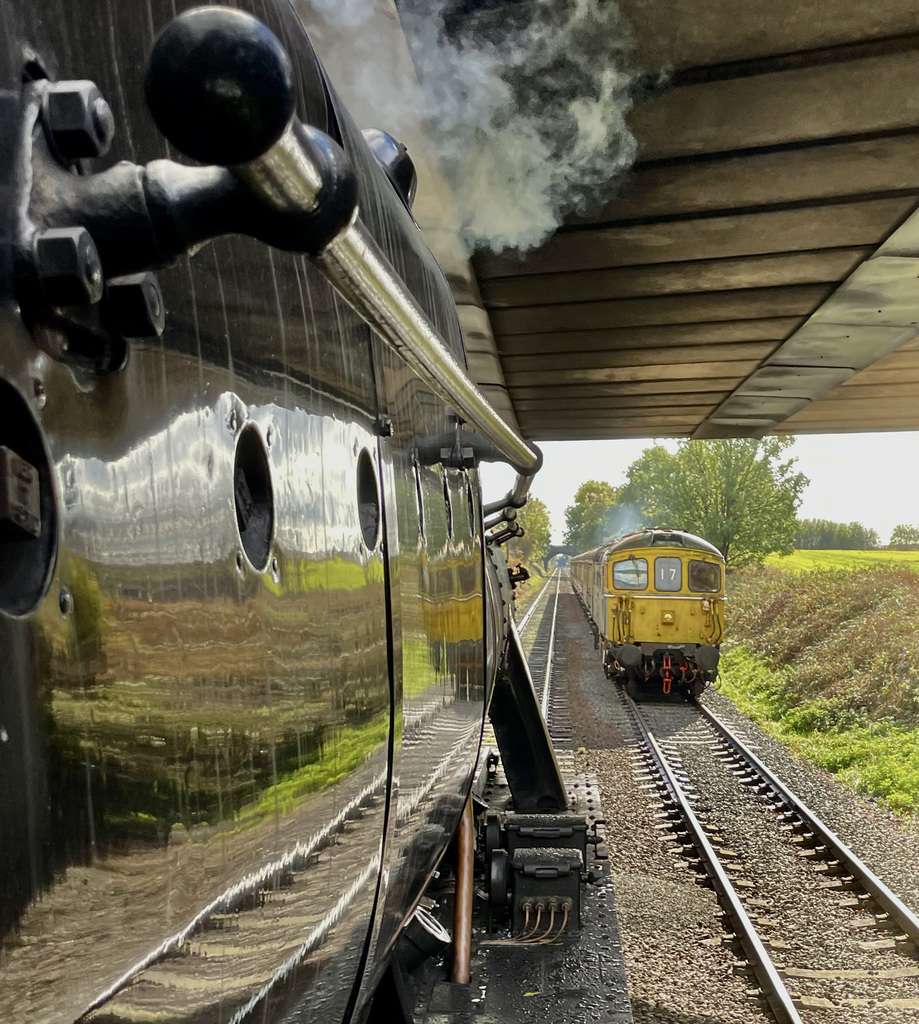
pixel 79 120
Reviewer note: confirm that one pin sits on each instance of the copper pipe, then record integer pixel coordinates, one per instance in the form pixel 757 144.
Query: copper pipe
pixel 462 902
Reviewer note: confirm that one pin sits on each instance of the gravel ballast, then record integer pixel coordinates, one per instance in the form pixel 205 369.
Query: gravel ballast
pixel 678 968
pixel 798 908
pixel 888 844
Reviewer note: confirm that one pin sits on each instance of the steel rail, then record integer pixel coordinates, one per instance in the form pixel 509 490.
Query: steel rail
pixel 777 995
pixel 530 764
pixel 547 677
pixel 529 613
pixel 869 881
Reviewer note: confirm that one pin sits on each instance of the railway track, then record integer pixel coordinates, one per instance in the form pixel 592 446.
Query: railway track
pixel 538 630
pixel 579 975
pixel 538 602
pixel 824 938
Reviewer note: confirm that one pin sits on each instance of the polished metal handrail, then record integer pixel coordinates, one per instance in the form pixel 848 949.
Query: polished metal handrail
pixel 359 270
pixel 357 267
pixel 304 183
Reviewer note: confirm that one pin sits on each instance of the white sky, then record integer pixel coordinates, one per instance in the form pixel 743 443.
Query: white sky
pixel 866 478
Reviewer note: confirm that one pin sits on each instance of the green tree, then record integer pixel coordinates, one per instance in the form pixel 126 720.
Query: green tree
pixel 533 545
pixel 740 495
pixel 825 535
pixel 904 536
pixel 588 520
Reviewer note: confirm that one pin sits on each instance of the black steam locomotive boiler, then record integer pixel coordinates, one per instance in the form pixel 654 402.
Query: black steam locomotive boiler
pixel 253 613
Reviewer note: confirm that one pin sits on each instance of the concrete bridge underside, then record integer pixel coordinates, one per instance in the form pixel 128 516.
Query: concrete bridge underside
pixel 759 271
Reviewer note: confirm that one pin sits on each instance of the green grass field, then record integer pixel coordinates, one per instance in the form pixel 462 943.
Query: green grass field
pixel 824 653
pixel 801 561
pixel 877 758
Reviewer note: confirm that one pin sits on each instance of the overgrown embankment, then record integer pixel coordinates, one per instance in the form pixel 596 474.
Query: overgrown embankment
pixel 828 661
pixel 526 593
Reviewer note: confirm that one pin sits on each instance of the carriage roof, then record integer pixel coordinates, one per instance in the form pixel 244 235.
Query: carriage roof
pixel 648 539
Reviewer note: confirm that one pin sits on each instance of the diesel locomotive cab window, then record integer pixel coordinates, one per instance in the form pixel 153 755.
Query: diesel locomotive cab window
pixel 704 577
pixel 631 574
pixel 668 574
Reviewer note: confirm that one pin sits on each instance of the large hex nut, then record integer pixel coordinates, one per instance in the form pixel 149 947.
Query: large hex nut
pixel 78 120
pixel 68 266
pixel 134 306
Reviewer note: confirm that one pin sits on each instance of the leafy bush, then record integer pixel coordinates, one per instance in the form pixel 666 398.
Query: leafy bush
pixel 848 636
pixel 756 689
pixel 822 715
pixel 828 662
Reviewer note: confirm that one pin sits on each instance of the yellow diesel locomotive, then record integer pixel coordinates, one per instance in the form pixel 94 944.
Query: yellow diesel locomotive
pixel 655 601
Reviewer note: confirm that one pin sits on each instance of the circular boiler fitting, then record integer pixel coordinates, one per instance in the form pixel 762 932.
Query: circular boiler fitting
pixel 28 507
pixel 368 499
pixel 253 496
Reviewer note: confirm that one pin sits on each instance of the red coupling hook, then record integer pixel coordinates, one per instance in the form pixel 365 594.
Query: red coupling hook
pixel 666 673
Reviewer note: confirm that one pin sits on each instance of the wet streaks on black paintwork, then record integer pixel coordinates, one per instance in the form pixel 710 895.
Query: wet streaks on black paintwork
pixel 205 766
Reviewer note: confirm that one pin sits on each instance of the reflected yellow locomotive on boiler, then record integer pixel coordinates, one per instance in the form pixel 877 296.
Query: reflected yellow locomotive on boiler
pixel 655 601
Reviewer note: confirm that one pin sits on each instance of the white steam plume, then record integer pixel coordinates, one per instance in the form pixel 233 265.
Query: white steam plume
pixel 621 521
pixel 526 105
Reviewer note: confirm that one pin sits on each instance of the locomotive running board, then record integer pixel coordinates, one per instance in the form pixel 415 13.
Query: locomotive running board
pixel 532 770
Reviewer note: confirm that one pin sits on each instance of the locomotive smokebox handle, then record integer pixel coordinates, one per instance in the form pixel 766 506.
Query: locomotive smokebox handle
pixel 220 87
